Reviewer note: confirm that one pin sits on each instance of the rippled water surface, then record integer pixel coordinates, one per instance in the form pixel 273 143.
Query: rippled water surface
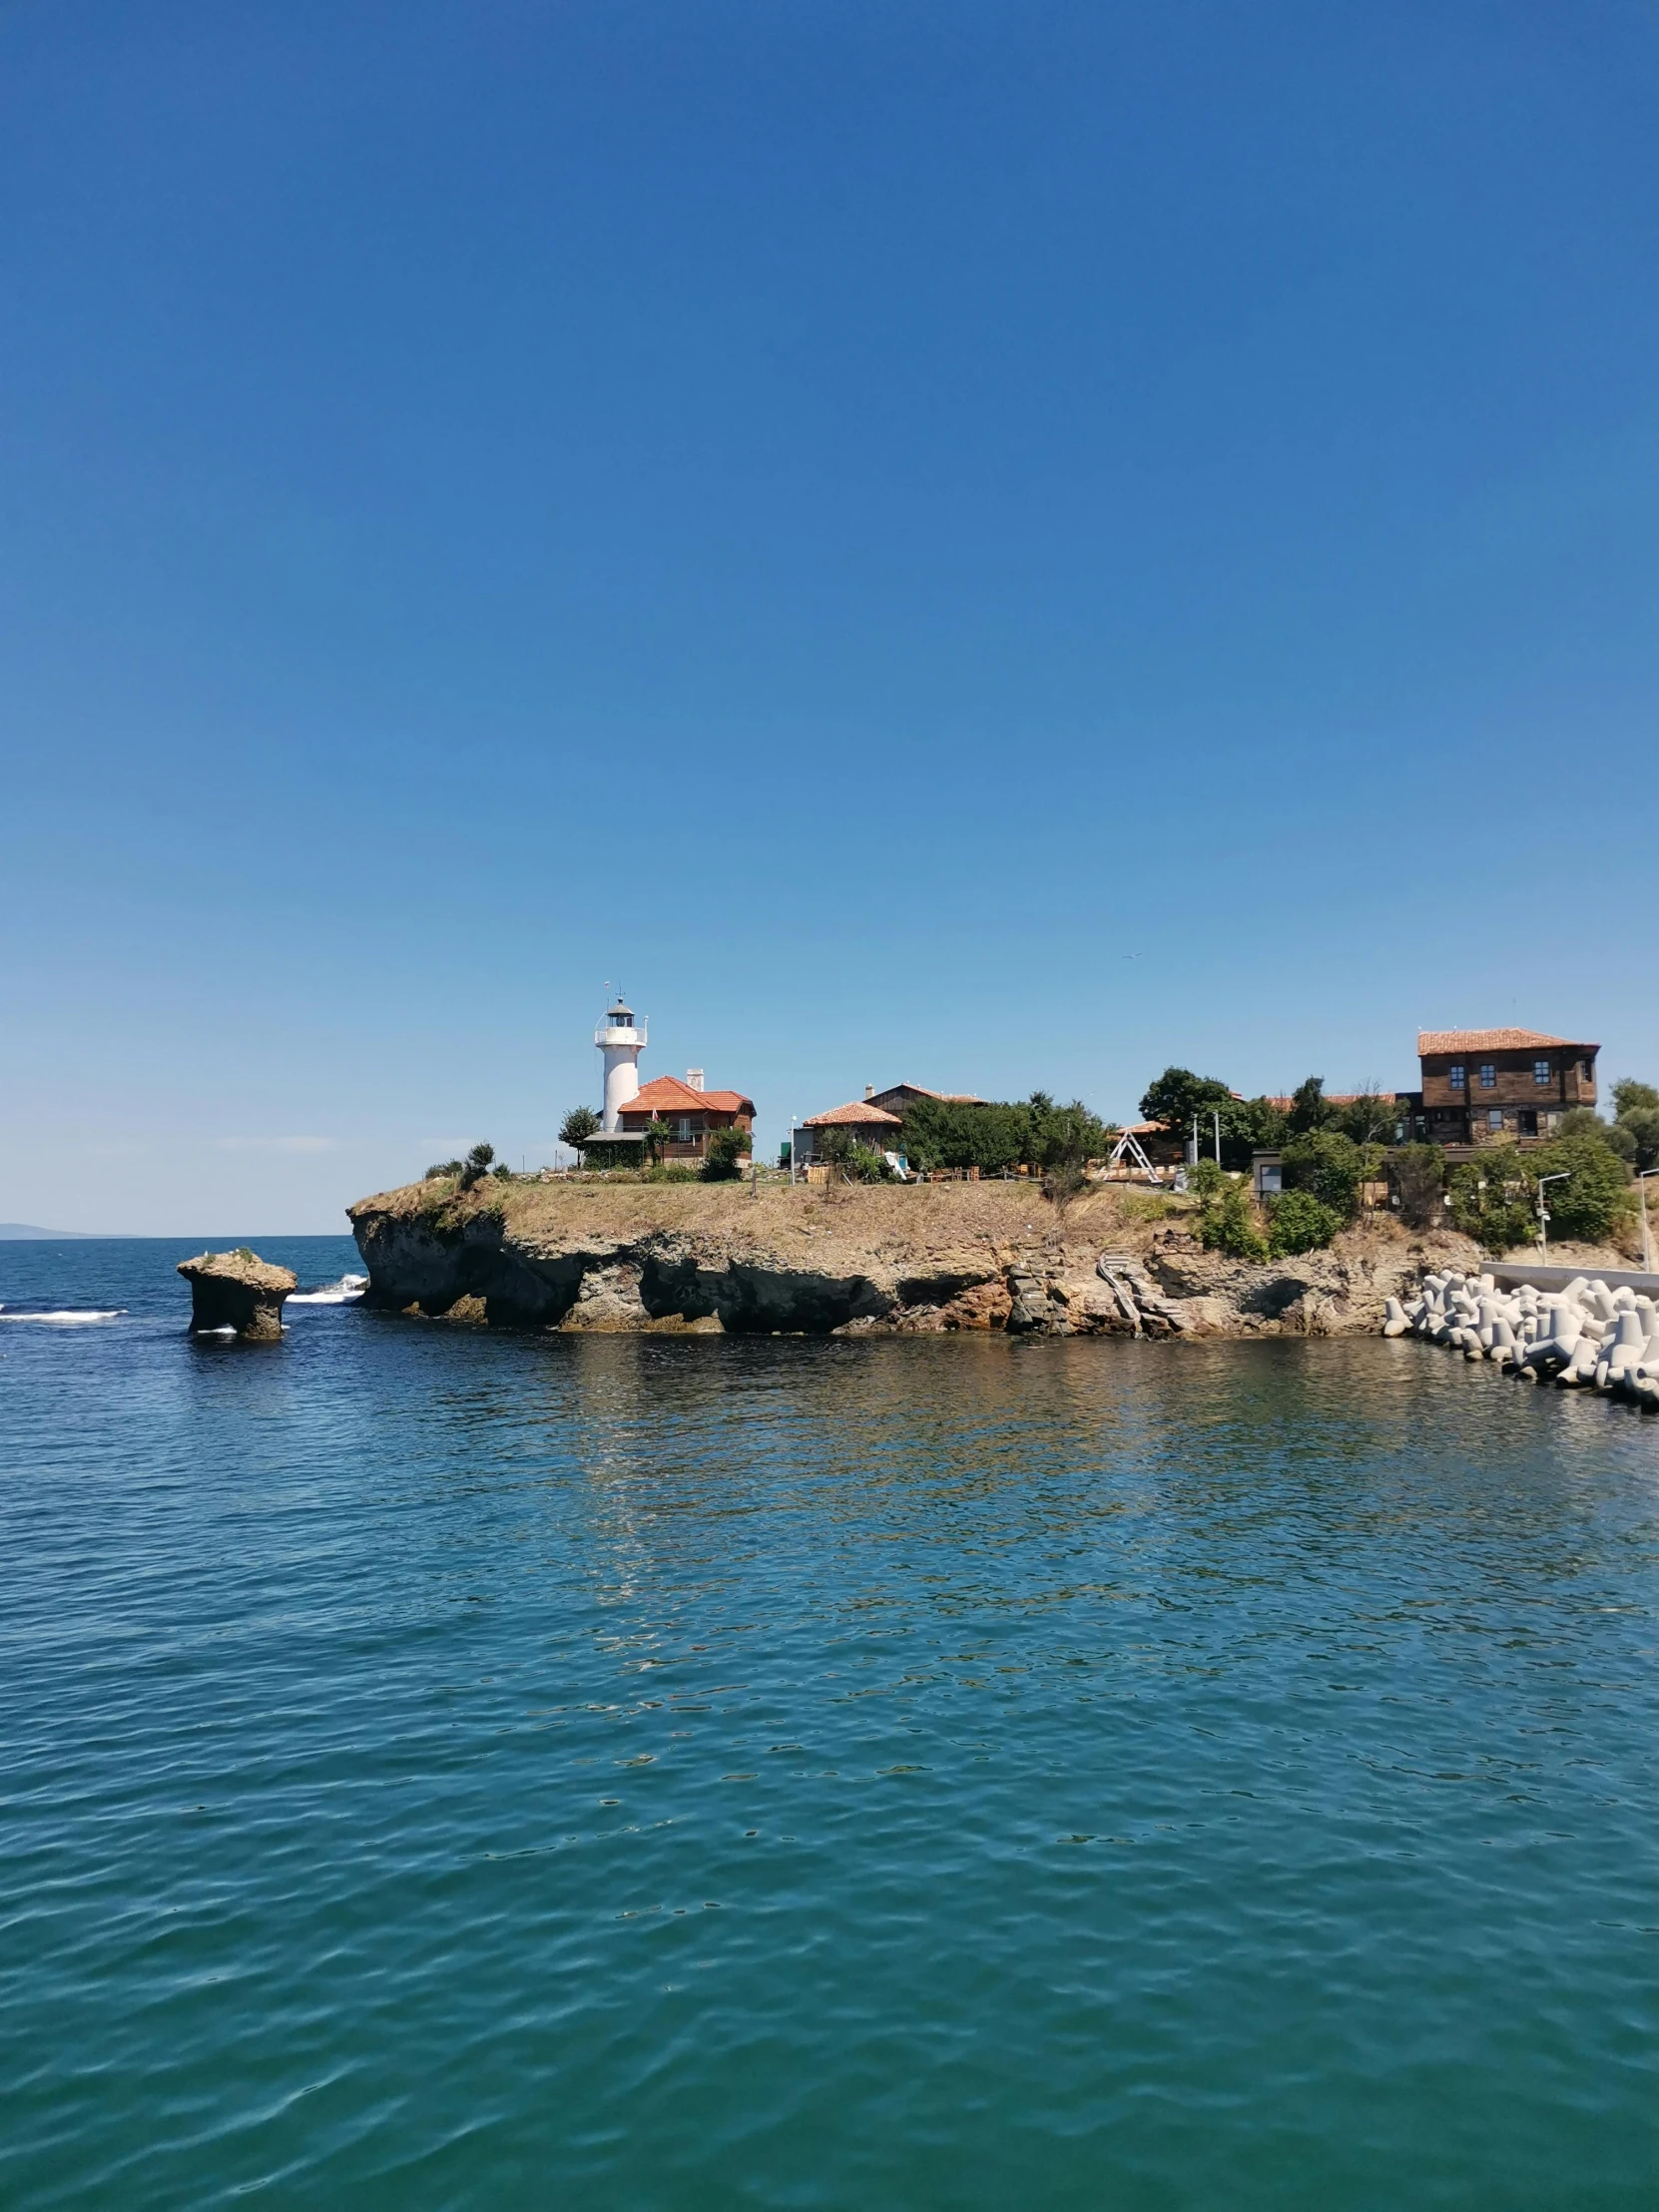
pixel 443 1770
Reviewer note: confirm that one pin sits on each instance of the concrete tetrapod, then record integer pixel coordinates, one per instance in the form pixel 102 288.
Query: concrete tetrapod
pixel 1586 1336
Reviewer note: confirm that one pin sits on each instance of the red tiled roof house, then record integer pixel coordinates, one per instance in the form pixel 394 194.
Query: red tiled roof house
pixel 863 1121
pixel 1481 1086
pixel 691 1112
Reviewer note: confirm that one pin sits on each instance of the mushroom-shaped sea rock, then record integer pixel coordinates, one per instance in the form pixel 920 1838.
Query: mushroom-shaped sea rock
pixel 240 1291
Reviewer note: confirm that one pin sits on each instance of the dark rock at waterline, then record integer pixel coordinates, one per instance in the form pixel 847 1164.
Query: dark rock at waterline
pixel 240 1291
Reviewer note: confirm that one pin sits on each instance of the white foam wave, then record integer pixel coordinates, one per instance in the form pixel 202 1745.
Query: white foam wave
pixel 345 1292
pixel 75 1318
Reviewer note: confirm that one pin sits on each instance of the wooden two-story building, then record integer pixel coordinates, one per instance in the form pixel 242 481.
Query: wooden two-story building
pixel 692 1114
pixel 1489 1086
pixel 876 1120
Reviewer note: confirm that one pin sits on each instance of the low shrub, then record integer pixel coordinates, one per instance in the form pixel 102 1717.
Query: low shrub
pixel 1062 1184
pixel 1136 1205
pixel 863 1164
pixel 1207 1180
pixel 724 1149
pixel 1299 1222
pixel 851 1161
pixel 1228 1225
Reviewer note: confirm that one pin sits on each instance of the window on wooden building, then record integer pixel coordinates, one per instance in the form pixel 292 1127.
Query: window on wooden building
pixel 1541 1071
pixel 1455 1076
pixel 1489 1076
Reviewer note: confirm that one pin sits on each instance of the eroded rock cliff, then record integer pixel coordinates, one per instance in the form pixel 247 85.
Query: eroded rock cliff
pixel 671 1257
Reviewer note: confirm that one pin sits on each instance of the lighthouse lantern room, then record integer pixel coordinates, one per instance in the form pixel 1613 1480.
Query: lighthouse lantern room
pixel 621 1041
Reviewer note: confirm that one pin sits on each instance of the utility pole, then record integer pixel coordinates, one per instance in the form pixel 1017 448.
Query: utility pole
pixel 1544 1211
pixel 1218 1136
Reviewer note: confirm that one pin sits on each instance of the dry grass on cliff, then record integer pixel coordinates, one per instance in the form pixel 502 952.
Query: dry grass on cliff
pixel 891 1217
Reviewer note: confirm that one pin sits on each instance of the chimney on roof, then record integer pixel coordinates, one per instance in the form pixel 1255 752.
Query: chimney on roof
pixel 693 1079
pixel 870 1090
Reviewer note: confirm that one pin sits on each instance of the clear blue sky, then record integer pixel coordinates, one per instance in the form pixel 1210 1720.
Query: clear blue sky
pixel 999 545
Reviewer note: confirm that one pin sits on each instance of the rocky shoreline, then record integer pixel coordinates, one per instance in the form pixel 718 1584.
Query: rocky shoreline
pixel 671 1259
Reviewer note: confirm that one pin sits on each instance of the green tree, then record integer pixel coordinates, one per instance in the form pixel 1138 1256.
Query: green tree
pixel 940 1133
pixel 477 1165
pixel 1178 1094
pixel 1309 1108
pixel 1417 1172
pixel 658 1135
pixel 1636 1122
pixel 1329 1167
pixel 1299 1222
pixel 578 1125
pixel 724 1148
pixel 1246 1124
pixel 1061 1136
pixel 1641 1125
pixel 444 1167
pixel 1493 1198
pixel 1370 1118
pixel 1596 1196
pixel 1582 1121
pixel 1252 1125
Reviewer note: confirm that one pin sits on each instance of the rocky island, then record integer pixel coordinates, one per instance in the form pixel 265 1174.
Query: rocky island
pixel 853 1259
pixel 238 1290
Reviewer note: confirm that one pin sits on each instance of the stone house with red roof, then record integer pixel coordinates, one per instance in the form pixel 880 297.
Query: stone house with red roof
pixel 1485 1086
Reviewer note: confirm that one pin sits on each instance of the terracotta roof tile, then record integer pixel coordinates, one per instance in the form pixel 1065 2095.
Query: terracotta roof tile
pixel 946 1098
pixel 860 1112
pixel 1342 1098
pixel 666 1094
pixel 1492 1040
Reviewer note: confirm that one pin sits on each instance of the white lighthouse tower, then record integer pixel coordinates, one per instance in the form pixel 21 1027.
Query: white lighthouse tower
pixel 621 1041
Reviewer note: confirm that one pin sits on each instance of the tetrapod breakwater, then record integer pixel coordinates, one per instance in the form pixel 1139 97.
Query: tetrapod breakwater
pixel 1584 1333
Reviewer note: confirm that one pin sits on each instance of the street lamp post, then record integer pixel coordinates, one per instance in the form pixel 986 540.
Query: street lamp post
pixel 1544 1211
pixel 1647 1234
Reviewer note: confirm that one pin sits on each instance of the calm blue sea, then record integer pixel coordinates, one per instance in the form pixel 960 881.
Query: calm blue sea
pixel 449 1770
